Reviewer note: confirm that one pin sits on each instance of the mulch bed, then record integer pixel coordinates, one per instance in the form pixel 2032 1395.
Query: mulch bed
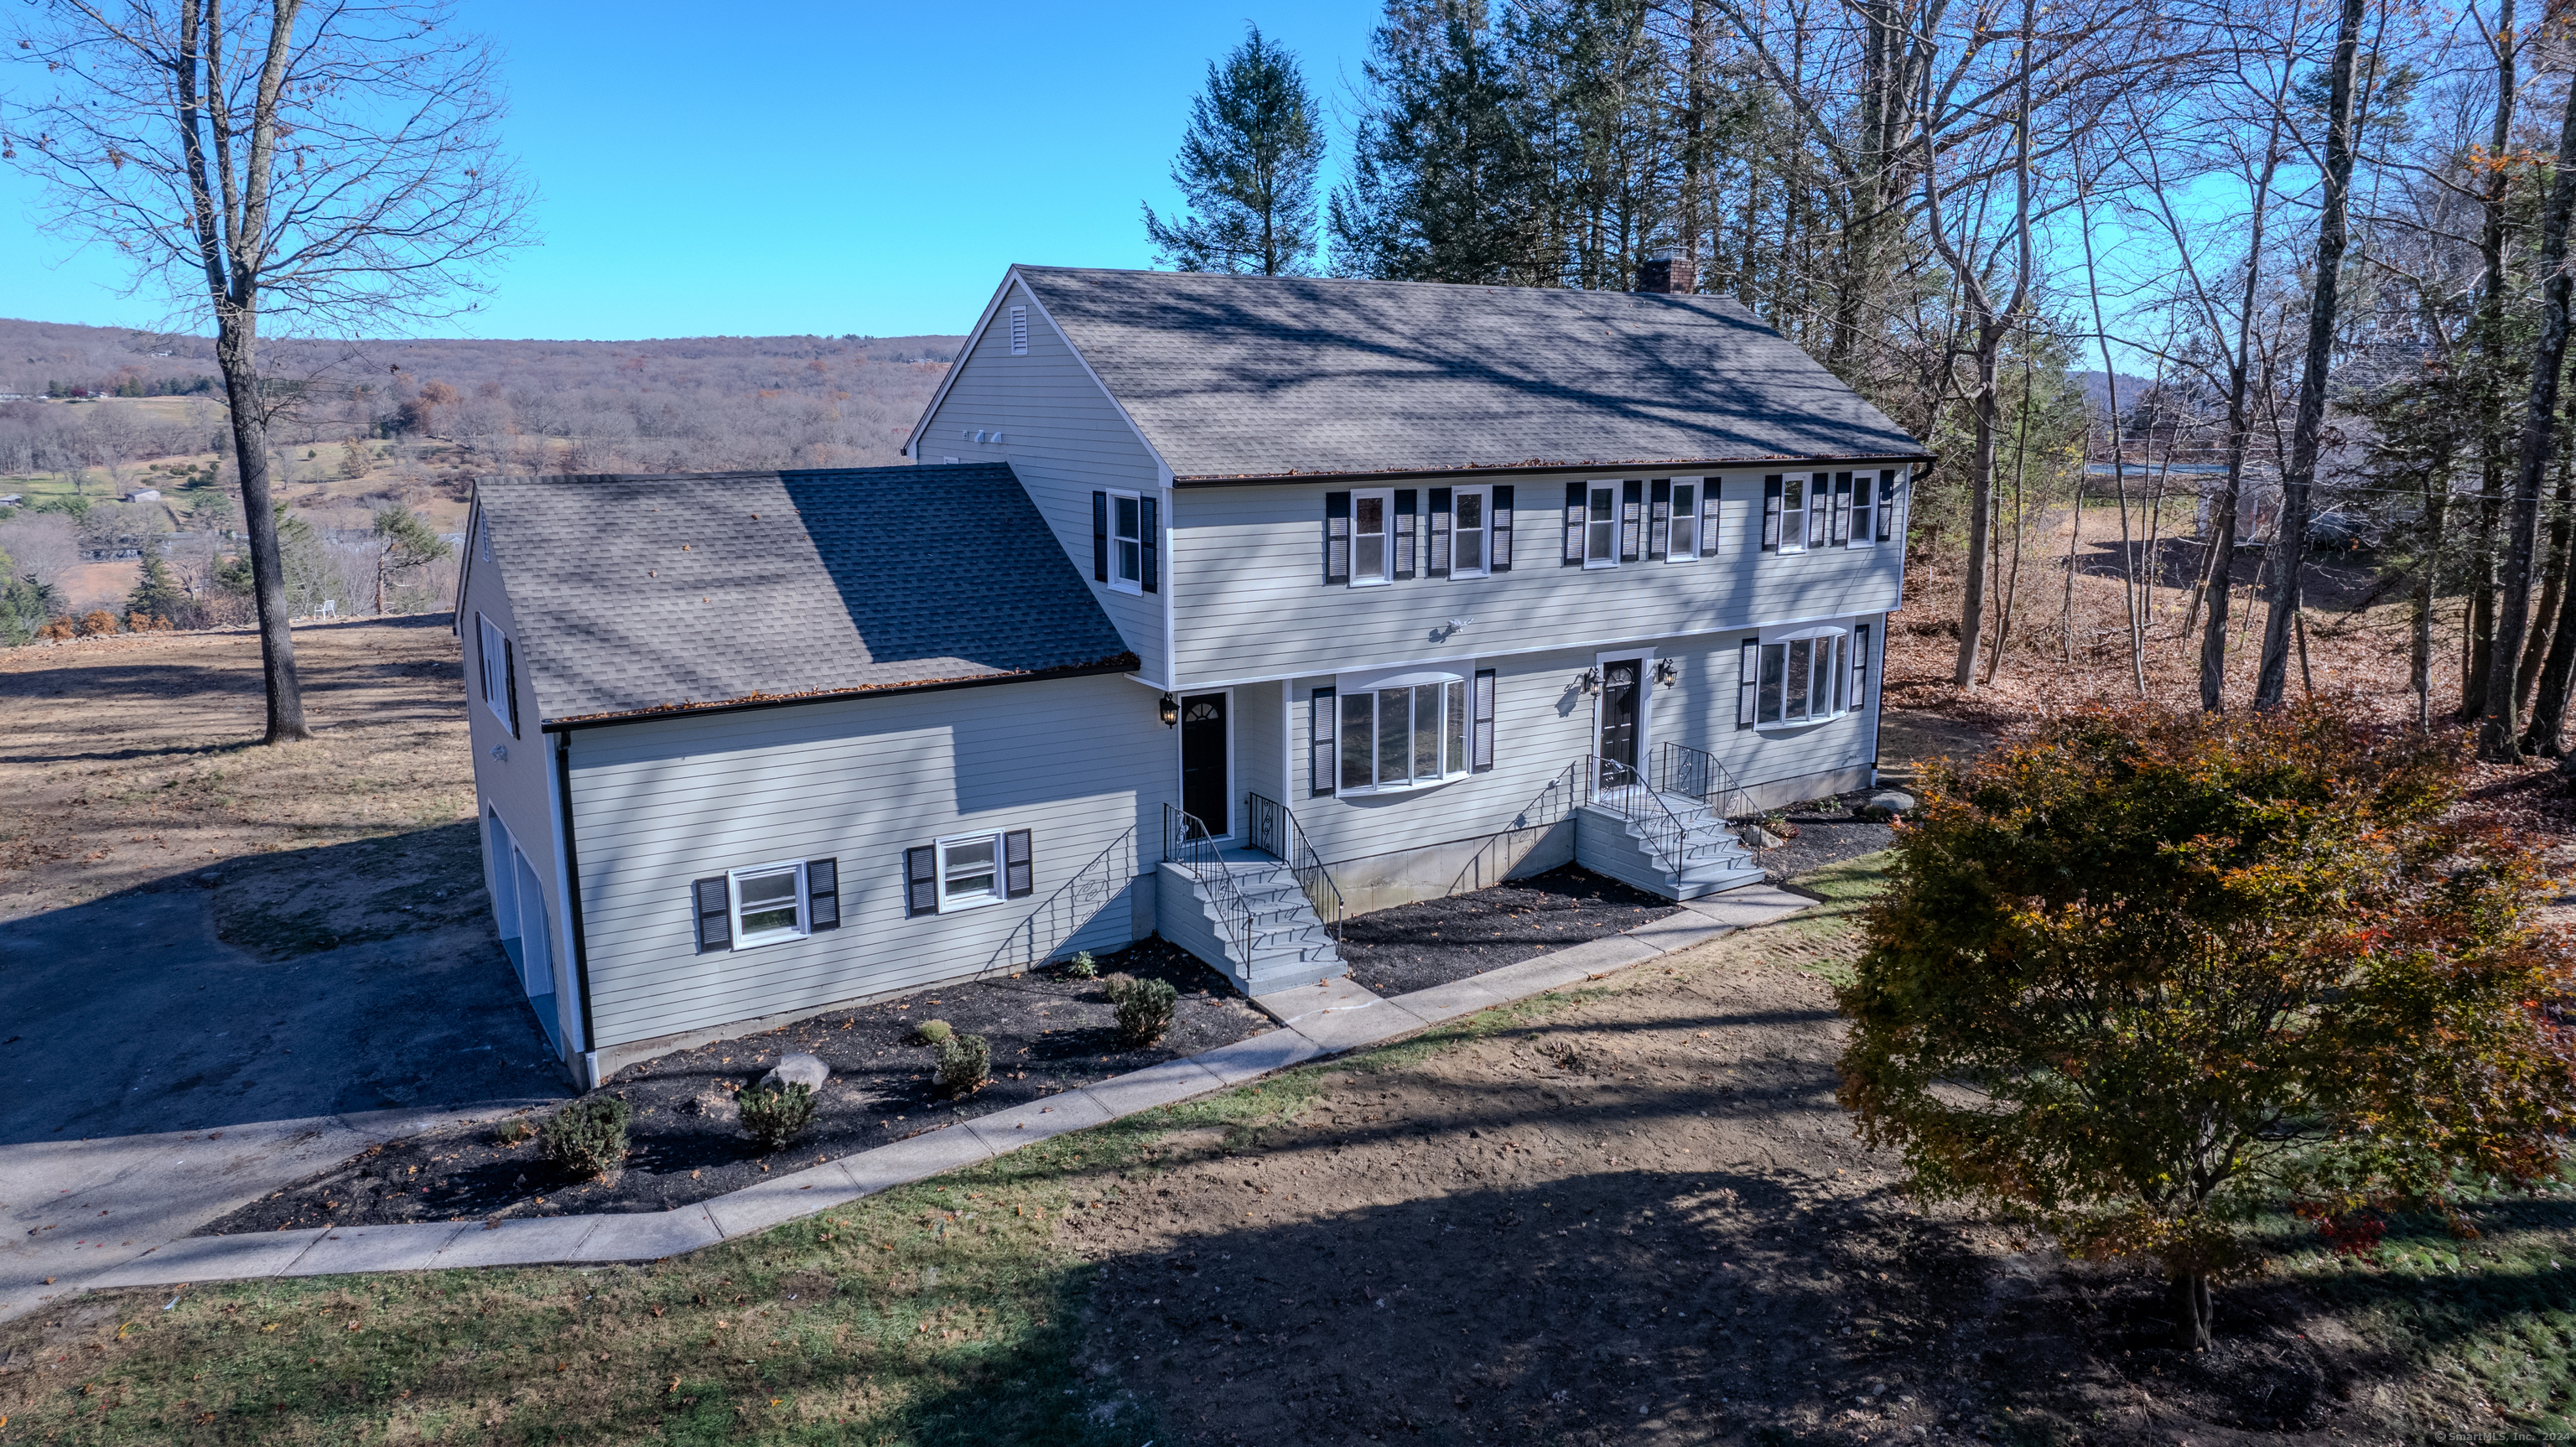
pixel 1048 1033
pixel 1825 838
pixel 1416 946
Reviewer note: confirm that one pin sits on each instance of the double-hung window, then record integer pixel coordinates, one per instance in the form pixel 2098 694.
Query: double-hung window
pixel 1801 675
pixel 1784 513
pixel 1371 519
pixel 968 871
pixel 768 904
pixel 1601 526
pixel 1401 732
pixel 1472 519
pixel 1683 542
pixel 1127 542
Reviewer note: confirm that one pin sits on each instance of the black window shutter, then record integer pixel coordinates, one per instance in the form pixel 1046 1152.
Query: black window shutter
pixel 1574 501
pixel 510 681
pixel 822 894
pixel 1482 757
pixel 712 901
pixel 1708 517
pixel 1320 739
pixel 1500 550
pixel 1438 567
pixel 1817 509
pixel 1019 871
pixel 1751 680
pixel 1150 528
pixel 1632 507
pixel 1402 566
pixel 1886 505
pixel 1100 537
pixel 921 880
pixel 1860 665
pixel 1337 537
pixel 1771 514
pixel 1659 517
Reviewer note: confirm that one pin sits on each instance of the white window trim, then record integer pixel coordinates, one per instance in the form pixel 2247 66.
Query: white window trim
pixel 1618 520
pixel 1119 584
pixel 1386 554
pixel 1840 630
pixel 1674 531
pixel 1369 685
pixel 743 939
pixel 939 872
pixel 494 646
pixel 1793 539
pixel 1484 532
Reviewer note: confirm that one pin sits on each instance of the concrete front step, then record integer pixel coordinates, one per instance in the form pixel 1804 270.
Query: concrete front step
pixel 1712 860
pixel 1287 945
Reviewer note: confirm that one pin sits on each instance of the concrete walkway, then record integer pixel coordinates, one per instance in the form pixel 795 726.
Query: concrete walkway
pixel 1319 1020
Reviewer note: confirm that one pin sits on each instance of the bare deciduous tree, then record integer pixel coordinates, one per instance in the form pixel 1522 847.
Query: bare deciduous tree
pixel 304 165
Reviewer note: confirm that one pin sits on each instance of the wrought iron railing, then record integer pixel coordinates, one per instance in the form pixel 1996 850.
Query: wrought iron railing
pixel 1618 787
pixel 1681 769
pixel 1076 903
pixel 1187 843
pixel 1273 830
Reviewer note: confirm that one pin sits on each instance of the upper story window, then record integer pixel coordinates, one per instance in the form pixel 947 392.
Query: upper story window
pixel 1601 526
pixel 500 673
pixel 1126 532
pixel 1372 556
pixel 1827 510
pixel 1394 535
pixel 1472 516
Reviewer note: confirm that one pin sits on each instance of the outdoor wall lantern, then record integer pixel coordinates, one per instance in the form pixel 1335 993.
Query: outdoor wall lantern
pixel 1590 682
pixel 1665 672
pixel 1169 710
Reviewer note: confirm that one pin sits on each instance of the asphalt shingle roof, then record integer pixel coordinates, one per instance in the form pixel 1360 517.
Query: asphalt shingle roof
pixel 641 594
pixel 1249 376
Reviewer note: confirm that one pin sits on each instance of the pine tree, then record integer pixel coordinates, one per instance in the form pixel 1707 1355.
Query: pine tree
pixel 1446 184
pixel 1247 168
pixel 158 593
pixel 403 542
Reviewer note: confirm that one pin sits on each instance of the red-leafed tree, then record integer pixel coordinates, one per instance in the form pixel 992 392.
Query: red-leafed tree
pixel 2151 974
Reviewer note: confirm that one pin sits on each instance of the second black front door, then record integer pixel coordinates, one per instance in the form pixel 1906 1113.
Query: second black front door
pixel 1203 783
pixel 1619 695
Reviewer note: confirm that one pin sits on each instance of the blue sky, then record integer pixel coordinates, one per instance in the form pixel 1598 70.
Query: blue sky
pixel 771 167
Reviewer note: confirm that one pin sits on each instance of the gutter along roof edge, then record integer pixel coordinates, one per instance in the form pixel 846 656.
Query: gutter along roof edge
pixel 1247 479
pixel 1123 663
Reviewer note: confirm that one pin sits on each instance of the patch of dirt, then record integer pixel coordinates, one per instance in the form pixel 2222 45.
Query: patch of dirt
pixel 1642 1219
pixel 1416 946
pixel 131 760
pixel 1048 1033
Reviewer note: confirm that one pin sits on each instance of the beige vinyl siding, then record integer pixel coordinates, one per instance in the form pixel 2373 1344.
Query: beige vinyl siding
pixel 1248 564
pixel 1078 762
pixel 1064 438
pixel 1544 723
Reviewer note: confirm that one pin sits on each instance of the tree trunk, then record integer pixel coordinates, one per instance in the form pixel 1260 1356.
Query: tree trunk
pixel 2499 740
pixel 2187 1293
pixel 2291 537
pixel 2221 561
pixel 1981 505
pixel 2553 589
pixel 2419 653
pixel 2488 404
pixel 237 352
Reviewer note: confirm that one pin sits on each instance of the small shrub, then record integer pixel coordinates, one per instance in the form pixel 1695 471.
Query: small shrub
pixel 588 1137
pixel 99 621
pixel 1144 1009
pixel 964 1062
pixel 512 1132
pixel 1082 966
pixel 774 1114
pixel 932 1032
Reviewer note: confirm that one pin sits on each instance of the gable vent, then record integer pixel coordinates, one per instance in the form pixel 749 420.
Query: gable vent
pixel 1019 331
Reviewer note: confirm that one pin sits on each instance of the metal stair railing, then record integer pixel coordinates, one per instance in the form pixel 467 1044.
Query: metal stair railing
pixel 1681 769
pixel 1076 903
pixel 1622 790
pixel 1186 843
pixel 1274 830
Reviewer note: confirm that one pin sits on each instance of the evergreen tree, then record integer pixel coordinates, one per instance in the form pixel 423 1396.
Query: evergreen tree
pixel 158 593
pixel 1247 168
pixel 403 542
pixel 1446 184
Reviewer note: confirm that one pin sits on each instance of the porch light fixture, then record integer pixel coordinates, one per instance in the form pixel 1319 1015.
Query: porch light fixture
pixel 1168 710
pixel 1590 682
pixel 1665 672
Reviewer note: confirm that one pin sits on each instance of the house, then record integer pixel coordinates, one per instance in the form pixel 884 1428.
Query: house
pixel 1218 607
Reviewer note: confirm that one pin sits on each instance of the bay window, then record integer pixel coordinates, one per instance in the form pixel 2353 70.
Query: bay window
pixel 1405 731
pixel 1803 675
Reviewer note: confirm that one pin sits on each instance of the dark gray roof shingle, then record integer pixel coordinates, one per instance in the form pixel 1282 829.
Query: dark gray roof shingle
pixel 1249 376
pixel 637 594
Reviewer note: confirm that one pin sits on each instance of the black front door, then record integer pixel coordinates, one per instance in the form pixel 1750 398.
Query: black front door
pixel 1203 782
pixel 1619 694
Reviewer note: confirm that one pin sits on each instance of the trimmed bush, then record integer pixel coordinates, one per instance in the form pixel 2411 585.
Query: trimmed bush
pixel 932 1032
pixel 588 1137
pixel 774 1114
pixel 512 1132
pixel 964 1062
pixel 1144 1009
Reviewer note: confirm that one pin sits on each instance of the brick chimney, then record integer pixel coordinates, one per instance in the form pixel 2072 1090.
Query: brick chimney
pixel 1667 271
